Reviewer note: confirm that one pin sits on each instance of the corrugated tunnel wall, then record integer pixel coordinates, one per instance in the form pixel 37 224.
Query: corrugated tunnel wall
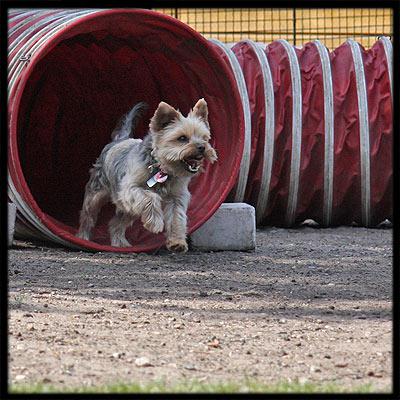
pixel 318 141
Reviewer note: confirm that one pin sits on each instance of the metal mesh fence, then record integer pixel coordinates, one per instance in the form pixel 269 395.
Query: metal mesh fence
pixel 332 26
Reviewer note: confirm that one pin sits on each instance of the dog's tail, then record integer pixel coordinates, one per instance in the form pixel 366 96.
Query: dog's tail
pixel 127 123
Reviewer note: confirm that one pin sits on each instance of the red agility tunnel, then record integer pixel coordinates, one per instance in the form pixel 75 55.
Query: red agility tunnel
pixel 301 133
pixel 72 74
pixel 319 131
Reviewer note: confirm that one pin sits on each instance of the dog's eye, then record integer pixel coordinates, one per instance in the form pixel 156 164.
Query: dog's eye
pixel 183 138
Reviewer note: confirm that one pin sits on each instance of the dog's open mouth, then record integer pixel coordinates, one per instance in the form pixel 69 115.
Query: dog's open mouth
pixel 193 164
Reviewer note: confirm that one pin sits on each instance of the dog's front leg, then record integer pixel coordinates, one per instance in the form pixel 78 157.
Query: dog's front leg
pixel 144 203
pixel 176 222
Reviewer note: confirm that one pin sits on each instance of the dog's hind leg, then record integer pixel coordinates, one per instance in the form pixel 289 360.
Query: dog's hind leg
pixel 92 204
pixel 117 227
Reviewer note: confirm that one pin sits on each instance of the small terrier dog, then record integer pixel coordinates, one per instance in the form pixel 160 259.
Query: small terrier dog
pixel 149 178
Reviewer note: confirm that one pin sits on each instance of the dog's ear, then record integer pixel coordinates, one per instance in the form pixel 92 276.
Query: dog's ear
pixel 163 116
pixel 200 110
pixel 211 154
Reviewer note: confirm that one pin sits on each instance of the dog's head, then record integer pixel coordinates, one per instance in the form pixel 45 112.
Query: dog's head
pixel 181 144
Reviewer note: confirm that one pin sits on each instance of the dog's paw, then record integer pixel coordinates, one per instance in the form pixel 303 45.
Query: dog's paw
pixel 83 235
pixel 120 243
pixel 177 246
pixel 155 225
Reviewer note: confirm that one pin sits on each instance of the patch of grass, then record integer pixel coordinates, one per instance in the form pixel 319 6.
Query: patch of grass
pixel 194 386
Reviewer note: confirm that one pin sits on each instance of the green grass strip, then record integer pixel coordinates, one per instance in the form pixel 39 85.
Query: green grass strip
pixel 194 386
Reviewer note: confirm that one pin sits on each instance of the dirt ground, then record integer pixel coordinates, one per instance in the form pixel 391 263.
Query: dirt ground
pixel 308 305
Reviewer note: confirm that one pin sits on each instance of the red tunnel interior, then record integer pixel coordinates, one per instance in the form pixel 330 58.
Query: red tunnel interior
pixel 85 80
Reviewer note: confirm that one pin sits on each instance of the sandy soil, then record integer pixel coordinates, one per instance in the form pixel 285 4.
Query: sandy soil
pixel 309 305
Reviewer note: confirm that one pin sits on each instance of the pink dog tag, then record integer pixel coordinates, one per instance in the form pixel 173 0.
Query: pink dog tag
pixel 159 177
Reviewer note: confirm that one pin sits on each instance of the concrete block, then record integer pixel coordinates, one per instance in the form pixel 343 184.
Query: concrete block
pixel 232 227
pixel 12 212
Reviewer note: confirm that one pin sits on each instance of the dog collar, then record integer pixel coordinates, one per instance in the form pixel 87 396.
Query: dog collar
pixel 159 177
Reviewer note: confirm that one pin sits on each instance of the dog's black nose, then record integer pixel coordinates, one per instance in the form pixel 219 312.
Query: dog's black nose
pixel 201 148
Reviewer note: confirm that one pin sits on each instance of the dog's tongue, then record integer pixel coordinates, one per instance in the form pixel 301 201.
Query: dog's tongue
pixel 193 162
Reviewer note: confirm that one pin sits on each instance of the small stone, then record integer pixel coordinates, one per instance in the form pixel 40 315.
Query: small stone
pixel 190 367
pixel 20 377
pixel 341 365
pixel 374 374
pixel 214 343
pixel 143 362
